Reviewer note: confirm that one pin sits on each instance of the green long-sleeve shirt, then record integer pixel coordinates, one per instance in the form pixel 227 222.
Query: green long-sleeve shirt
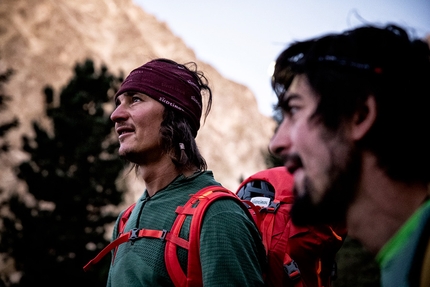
pixel 231 251
pixel 397 256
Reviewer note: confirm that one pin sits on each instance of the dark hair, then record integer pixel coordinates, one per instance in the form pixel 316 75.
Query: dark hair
pixel 176 129
pixel 345 69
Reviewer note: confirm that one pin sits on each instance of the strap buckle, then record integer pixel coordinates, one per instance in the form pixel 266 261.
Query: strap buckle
pixel 292 270
pixel 163 235
pixel 272 208
pixel 134 235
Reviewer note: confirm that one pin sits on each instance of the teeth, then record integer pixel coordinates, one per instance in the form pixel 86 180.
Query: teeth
pixel 122 131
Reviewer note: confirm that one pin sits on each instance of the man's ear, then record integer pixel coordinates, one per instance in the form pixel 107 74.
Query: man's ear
pixel 364 118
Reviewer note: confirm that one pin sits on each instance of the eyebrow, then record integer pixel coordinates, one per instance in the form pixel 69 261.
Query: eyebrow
pixel 286 99
pixel 126 94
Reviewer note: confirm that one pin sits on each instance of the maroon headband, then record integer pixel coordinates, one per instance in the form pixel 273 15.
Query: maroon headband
pixel 169 83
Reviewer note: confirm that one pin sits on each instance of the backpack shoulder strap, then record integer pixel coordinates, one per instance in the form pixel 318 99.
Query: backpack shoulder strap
pixel 124 218
pixel 133 235
pixel 255 211
pixel 195 207
pixel 115 243
pixel 292 270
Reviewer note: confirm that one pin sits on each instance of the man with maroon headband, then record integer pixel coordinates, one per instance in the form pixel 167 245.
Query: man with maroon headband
pixel 157 117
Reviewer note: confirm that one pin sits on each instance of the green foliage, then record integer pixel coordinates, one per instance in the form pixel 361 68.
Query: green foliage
pixel 5 125
pixel 71 177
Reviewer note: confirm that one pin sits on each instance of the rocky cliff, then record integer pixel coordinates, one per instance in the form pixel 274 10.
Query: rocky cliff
pixel 43 40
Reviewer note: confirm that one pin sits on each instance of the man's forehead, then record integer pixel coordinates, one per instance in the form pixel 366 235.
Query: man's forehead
pixel 300 88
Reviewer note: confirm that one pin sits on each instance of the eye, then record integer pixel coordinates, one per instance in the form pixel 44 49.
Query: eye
pixel 288 107
pixel 117 102
pixel 291 110
pixel 135 99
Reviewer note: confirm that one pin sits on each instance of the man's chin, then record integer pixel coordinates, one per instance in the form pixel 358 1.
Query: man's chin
pixel 343 175
pixel 125 155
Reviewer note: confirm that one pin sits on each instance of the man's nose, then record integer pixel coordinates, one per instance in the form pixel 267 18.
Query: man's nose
pixel 281 140
pixel 119 114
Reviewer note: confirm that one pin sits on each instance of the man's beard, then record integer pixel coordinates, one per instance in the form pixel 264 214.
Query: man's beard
pixel 338 196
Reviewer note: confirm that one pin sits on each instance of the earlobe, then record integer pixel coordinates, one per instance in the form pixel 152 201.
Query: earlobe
pixel 364 118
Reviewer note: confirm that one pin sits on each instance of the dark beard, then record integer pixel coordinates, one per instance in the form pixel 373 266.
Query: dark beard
pixel 336 200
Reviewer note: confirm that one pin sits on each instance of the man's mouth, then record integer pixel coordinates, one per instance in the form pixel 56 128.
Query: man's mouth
pixel 123 130
pixel 292 163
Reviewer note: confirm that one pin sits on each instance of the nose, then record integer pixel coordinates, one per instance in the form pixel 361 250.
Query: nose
pixel 119 114
pixel 281 141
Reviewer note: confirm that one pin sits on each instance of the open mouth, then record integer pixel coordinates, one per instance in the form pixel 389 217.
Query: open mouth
pixel 292 163
pixel 124 130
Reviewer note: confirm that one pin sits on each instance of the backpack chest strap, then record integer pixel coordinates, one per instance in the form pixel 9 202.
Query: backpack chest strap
pixel 134 235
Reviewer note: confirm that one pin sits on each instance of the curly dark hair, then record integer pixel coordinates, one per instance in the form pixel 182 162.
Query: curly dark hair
pixel 383 62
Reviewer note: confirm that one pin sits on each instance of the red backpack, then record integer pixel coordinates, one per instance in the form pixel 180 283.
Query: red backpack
pixel 194 207
pixel 297 256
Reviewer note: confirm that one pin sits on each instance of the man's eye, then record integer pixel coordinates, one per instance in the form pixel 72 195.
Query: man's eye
pixel 135 99
pixel 289 106
pixel 288 109
pixel 291 110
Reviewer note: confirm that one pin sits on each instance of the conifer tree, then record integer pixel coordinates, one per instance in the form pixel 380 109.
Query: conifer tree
pixel 71 178
pixel 5 124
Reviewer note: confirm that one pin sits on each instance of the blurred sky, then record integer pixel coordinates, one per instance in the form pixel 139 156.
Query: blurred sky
pixel 241 38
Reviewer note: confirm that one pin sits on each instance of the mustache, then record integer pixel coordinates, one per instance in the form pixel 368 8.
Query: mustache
pixel 292 161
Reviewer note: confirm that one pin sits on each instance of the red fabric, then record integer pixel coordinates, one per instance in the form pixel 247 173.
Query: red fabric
pixel 124 237
pixel 125 217
pixel 171 259
pixel 310 247
pixel 196 207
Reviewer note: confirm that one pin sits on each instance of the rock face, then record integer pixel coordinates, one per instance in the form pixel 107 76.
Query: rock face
pixel 43 40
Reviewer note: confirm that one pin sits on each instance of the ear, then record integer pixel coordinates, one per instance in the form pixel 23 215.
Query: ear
pixel 364 118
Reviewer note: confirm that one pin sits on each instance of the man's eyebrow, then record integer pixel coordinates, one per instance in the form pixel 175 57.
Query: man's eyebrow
pixel 126 94
pixel 286 98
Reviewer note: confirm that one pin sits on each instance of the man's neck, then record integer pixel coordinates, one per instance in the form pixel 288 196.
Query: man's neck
pixel 157 175
pixel 381 206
